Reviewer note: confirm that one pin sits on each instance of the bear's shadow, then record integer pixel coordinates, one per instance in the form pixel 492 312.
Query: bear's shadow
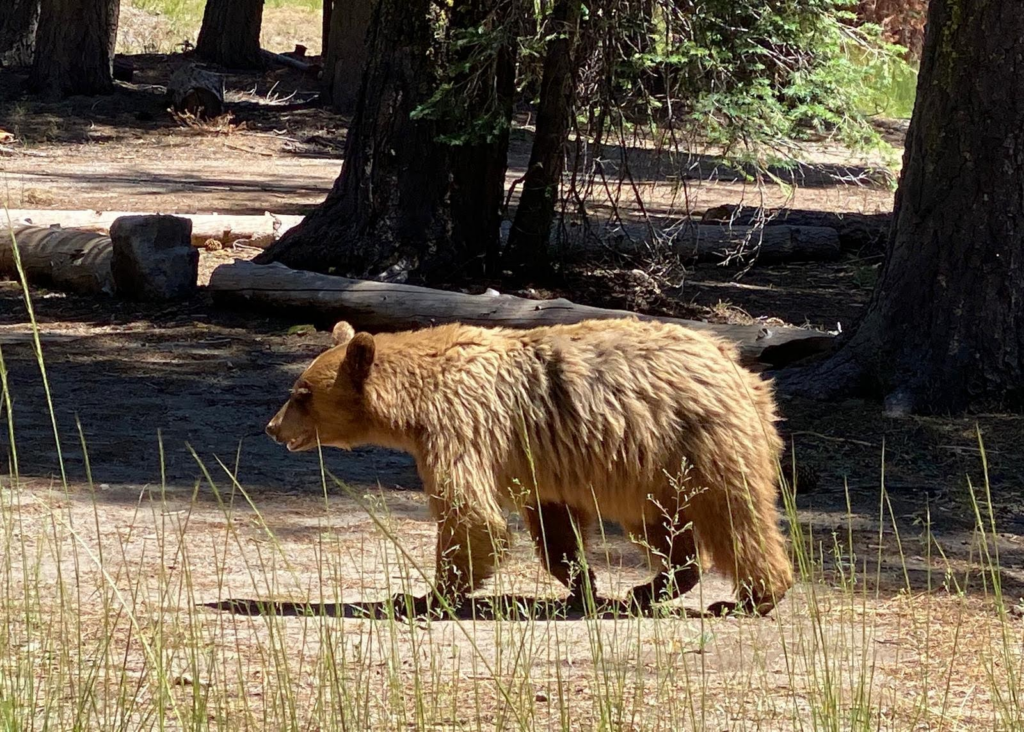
pixel 505 607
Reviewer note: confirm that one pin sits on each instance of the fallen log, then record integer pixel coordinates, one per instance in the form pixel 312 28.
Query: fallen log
pixel 197 92
pixel 258 231
pixel 75 261
pixel 694 243
pixel 149 257
pixel 857 231
pixel 378 306
pixel 290 61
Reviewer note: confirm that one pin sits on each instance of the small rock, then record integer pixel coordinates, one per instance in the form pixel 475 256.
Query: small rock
pixel 899 403
pixel 186 679
pixel 541 696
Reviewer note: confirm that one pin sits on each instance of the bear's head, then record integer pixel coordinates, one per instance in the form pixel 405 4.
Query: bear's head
pixel 327 402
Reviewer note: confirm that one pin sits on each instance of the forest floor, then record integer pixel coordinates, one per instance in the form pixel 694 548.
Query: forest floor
pixel 206 380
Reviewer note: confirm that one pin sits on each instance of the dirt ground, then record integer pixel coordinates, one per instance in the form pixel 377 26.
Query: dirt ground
pixel 205 380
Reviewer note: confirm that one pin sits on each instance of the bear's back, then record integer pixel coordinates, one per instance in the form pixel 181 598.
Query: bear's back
pixel 598 405
pixel 624 403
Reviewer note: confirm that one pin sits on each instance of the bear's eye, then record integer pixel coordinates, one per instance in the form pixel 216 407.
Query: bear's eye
pixel 301 393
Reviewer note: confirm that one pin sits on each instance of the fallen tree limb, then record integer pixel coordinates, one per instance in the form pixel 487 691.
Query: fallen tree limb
pixel 75 261
pixel 722 243
pixel 259 231
pixel 294 63
pixel 378 306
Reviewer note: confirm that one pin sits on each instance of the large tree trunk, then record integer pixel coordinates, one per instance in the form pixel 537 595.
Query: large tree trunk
pixel 528 240
pixel 345 52
pixel 74 51
pixel 478 165
pixel 945 327
pixel 387 216
pixel 18 21
pixel 230 34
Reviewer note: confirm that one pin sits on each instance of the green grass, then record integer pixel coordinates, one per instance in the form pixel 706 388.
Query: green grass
pixel 164 26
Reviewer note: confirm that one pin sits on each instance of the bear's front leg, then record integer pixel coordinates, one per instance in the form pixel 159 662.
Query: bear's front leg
pixel 469 546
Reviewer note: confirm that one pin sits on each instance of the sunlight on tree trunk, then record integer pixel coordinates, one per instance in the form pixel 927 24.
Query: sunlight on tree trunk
pixel 944 329
pixel 18 21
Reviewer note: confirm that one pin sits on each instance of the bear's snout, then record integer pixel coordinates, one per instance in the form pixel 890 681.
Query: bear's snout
pixel 291 429
pixel 274 427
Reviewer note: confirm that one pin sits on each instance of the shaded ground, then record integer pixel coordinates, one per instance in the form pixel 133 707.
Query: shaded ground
pixel 209 379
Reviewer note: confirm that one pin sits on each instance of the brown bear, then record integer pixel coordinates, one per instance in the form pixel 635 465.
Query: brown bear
pixel 651 425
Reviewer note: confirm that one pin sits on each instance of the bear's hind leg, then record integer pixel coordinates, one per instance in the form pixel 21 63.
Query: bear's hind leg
pixel 559 534
pixel 675 549
pixel 746 543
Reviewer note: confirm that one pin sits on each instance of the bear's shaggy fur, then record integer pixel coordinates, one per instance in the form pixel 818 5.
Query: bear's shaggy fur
pixel 651 425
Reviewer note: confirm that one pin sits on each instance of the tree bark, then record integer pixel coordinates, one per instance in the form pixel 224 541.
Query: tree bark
pixel 944 329
pixel 387 216
pixel 478 165
pixel 345 53
pixel 230 34
pixel 384 306
pixel 74 50
pixel 528 240
pixel 18 22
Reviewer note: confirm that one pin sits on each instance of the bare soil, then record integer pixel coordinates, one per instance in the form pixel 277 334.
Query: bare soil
pixel 202 381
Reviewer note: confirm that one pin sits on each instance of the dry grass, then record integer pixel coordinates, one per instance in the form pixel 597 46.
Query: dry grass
pixel 104 595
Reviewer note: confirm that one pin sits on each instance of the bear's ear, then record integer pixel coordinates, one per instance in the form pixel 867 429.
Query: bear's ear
pixel 342 333
pixel 359 357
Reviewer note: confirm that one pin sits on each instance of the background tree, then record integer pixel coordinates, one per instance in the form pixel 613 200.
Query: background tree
pixel 18 21
pixel 529 239
pixel 420 192
pixel 944 329
pixel 437 94
pixel 230 34
pixel 484 38
pixel 345 52
pixel 387 215
pixel 901 20
pixel 74 51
